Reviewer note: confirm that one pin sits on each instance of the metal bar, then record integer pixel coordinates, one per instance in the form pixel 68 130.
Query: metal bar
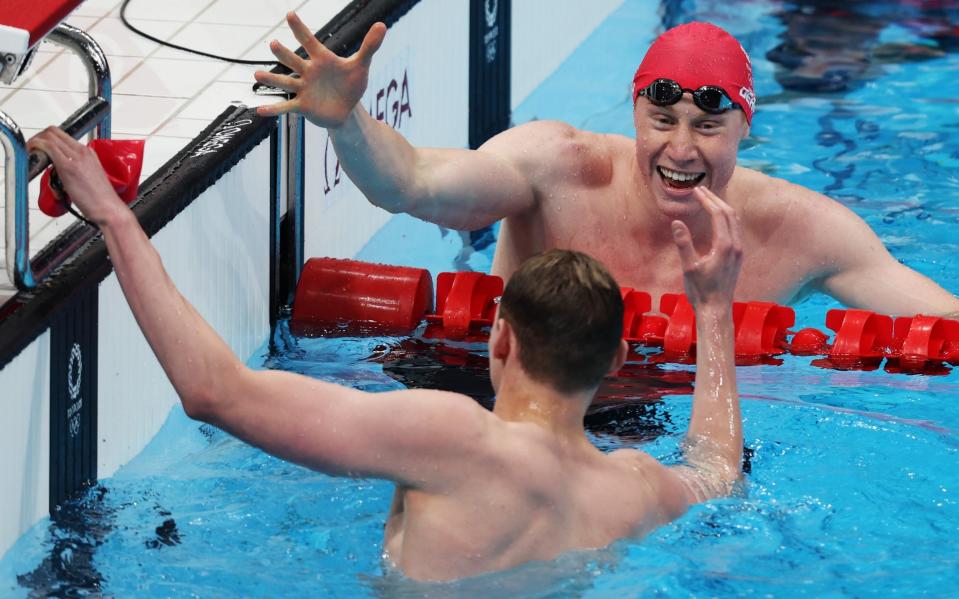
pixel 76 126
pixel 99 83
pixel 93 118
pixel 295 156
pixel 277 171
pixel 15 192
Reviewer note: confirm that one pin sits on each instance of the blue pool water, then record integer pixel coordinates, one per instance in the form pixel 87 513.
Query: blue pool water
pixel 853 485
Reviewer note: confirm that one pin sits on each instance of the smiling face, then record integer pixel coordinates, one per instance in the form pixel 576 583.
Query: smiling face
pixel 679 147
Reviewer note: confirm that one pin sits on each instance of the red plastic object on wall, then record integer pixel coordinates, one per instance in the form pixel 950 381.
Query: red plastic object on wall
pixel 122 161
pixel 465 301
pixel 349 297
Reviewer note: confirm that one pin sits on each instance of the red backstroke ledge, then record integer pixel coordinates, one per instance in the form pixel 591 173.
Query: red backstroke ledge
pixel 347 297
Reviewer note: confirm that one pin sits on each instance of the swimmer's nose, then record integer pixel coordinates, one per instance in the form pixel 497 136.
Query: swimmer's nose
pixel 681 149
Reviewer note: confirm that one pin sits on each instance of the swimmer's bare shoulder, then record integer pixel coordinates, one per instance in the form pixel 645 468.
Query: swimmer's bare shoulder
pixel 664 491
pixel 551 153
pixel 795 217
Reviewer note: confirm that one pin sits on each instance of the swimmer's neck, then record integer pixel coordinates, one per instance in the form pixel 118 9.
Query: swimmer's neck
pixel 521 399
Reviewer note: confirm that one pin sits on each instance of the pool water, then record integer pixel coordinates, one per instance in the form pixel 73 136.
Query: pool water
pixel 852 484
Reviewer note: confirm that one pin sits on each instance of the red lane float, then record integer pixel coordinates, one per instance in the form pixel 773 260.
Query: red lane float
pixel 862 338
pixel 346 297
pixel 349 297
pixel 465 303
pixel 761 328
pixel 635 305
pixel 921 339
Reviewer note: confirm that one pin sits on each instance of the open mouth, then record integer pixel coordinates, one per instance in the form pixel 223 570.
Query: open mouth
pixel 680 180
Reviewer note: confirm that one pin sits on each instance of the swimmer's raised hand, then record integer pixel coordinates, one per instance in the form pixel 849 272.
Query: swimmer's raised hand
pixel 328 86
pixel 81 173
pixel 710 279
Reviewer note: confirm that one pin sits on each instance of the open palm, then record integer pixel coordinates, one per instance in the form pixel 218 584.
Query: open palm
pixel 328 87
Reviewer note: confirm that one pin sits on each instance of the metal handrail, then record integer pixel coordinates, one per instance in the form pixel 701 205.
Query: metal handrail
pixel 21 168
pixel 16 185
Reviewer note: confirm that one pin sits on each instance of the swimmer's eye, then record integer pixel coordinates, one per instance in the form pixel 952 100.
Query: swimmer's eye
pixel 663 119
pixel 709 126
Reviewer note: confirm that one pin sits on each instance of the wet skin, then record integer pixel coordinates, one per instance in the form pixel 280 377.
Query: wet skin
pixel 554 186
pixel 607 195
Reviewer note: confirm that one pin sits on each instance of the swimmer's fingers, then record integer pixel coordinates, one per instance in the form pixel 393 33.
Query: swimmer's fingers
pixel 722 207
pixel 302 33
pixel 278 108
pixel 736 230
pixel 80 171
pixel 726 234
pixel 717 219
pixel 41 145
pixel 371 43
pixel 284 82
pixel 288 57
pixel 56 144
pixel 684 243
pixel 733 227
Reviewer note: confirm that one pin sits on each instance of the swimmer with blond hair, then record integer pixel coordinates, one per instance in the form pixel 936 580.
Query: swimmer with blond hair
pixel 614 197
pixel 476 491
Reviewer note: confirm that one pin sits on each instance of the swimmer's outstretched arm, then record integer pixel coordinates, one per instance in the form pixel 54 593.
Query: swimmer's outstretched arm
pixel 714 441
pixel 861 273
pixel 430 440
pixel 456 188
pixel 848 261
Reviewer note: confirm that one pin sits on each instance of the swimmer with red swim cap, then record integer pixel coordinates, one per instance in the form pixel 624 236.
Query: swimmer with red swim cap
pixel 622 200
pixel 717 81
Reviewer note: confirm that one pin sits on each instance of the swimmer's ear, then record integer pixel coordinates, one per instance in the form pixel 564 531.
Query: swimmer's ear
pixel 620 358
pixel 503 343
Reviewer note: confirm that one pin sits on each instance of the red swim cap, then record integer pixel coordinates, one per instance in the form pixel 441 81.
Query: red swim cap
pixel 698 54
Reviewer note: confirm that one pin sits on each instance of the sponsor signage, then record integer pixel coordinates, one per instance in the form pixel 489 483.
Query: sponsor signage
pixel 73 397
pixel 489 77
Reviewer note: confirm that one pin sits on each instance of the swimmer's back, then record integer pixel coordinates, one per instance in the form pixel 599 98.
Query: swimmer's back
pixel 530 498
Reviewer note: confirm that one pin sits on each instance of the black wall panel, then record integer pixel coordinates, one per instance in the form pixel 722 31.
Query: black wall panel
pixel 489 110
pixel 73 397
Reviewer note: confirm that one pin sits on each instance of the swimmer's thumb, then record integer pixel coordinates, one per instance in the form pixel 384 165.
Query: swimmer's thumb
pixel 680 232
pixel 371 43
pixel 683 241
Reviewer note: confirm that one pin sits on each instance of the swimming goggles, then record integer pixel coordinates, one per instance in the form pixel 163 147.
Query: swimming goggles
pixel 712 99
